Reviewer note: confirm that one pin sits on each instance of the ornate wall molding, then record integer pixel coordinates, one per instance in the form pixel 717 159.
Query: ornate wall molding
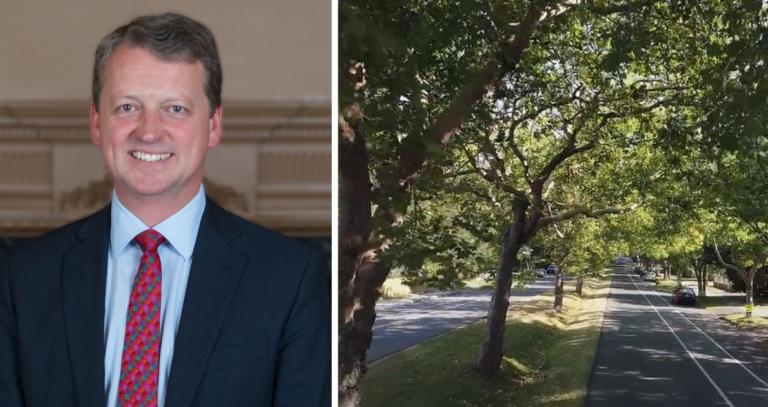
pixel 93 196
pixel 243 120
pixel 226 196
pixel 273 166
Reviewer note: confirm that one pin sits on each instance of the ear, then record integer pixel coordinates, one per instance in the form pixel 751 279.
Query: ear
pixel 95 130
pixel 215 134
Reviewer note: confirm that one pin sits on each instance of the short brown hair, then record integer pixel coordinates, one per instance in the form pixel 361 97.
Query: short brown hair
pixel 170 37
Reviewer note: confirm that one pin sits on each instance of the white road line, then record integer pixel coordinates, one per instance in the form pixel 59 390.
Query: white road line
pixel 717 344
pixel 720 391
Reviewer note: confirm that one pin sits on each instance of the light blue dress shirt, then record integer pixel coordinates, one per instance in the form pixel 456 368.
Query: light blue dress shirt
pixel 180 231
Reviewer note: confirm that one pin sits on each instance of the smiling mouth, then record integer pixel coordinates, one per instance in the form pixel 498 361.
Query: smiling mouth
pixel 150 157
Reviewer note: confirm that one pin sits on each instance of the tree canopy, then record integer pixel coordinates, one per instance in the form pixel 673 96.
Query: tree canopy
pixel 476 134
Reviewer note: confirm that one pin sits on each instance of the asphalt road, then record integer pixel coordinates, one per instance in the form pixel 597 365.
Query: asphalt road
pixel 653 354
pixel 404 323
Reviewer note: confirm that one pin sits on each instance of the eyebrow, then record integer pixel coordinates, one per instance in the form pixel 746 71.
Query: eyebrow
pixel 180 98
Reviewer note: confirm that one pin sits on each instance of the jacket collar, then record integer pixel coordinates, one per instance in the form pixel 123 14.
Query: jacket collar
pixel 213 279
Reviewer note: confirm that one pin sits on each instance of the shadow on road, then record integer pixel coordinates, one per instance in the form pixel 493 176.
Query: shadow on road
pixel 651 352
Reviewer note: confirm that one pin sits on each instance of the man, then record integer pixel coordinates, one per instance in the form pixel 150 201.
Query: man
pixel 162 298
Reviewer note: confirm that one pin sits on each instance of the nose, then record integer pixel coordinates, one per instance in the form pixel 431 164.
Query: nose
pixel 150 126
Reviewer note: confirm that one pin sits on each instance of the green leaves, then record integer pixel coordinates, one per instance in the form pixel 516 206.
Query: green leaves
pixel 665 103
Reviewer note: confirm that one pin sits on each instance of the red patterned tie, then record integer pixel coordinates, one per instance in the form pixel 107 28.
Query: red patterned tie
pixel 141 349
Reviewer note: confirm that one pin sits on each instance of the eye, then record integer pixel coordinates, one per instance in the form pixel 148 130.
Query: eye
pixel 126 108
pixel 177 109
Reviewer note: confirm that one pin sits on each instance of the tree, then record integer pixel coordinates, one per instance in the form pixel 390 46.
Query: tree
pixel 747 256
pixel 410 72
pixel 422 81
pixel 549 116
pixel 410 75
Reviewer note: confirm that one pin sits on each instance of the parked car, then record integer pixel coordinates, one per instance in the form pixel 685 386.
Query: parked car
pixel 683 295
pixel 551 269
pixel 540 273
pixel 650 276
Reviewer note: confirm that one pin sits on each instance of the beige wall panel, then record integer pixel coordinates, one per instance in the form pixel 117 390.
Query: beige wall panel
pixel 231 168
pixel 296 208
pixel 25 164
pixel 288 163
pixel 81 180
pixel 20 207
pixel 270 49
pixel 275 206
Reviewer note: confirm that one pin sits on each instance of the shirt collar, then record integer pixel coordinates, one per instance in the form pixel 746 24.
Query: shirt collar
pixel 180 229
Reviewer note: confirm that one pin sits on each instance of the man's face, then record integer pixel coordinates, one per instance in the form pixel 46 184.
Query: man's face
pixel 153 124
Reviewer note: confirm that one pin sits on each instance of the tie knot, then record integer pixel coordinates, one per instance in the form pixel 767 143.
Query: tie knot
pixel 149 240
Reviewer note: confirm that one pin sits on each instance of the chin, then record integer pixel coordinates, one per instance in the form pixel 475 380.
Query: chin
pixel 148 187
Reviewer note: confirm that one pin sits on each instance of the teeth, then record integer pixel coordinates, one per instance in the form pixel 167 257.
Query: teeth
pixel 150 157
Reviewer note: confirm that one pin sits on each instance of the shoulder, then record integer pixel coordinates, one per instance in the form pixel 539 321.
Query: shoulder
pixel 48 246
pixel 272 256
pixel 257 236
pixel 279 264
pixel 36 259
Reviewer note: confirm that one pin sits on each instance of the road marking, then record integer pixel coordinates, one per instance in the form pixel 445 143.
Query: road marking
pixel 720 391
pixel 713 341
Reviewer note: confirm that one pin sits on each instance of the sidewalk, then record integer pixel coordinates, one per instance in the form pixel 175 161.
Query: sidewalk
pixel 727 303
pixel 732 303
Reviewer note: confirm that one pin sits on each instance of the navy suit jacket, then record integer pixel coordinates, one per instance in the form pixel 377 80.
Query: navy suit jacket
pixel 255 328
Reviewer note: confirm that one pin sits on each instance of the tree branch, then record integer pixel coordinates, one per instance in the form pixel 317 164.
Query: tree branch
pixel 569 151
pixel 757 230
pixel 614 8
pixel 460 174
pixel 520 157
pixel 724 264
pixel 589 213
pixel 493 179
pixel 413 151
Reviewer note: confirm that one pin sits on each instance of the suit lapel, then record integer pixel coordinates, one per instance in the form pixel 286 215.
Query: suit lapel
pixel 213 279
pixel 84 271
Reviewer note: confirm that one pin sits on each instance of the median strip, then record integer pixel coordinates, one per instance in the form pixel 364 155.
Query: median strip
pixel 548 361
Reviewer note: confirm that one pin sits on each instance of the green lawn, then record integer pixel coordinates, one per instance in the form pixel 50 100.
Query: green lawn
pixel 707 302
pixel 666 285
pixel 548 363
pixel 746 323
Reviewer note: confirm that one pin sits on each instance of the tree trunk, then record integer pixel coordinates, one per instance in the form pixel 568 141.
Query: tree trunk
pixel 359 274
pixel 559 279
pixel 698 281
pixel 493 346
pixel 489 362
pixel 356 330
pixel 679 276
pixel 701 278
pixel 579 286
pixel 749 303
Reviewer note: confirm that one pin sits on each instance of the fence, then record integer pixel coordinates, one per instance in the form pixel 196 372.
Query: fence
pixel 722 282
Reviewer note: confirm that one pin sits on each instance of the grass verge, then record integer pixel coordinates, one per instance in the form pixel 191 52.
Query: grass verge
pixel 548 363
pixel 741 322
pixel 666 285
pixel 394 288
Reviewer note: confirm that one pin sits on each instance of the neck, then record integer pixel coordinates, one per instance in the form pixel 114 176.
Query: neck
pixel 153 209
